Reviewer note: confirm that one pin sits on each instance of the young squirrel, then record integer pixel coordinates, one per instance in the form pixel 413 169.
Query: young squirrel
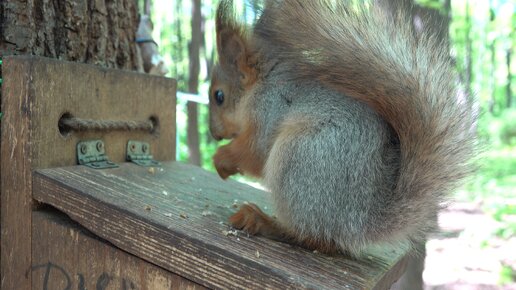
pixel 351 119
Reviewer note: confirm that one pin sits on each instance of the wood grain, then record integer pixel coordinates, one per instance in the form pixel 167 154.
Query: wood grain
pixel 175 217
pixel 36 92
pixel 16 176
pixel 67 256
pixel 89 92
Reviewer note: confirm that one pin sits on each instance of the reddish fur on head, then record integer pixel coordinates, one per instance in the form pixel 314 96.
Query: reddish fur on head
pixel 233 75
pixel 223 120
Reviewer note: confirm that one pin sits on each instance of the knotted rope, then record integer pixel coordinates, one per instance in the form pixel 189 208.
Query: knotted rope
pixel 78 124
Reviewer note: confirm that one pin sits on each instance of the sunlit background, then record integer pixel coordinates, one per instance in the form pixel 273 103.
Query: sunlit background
pixel 477 247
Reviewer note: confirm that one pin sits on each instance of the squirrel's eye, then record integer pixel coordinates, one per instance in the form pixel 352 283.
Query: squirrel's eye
pixel 219 97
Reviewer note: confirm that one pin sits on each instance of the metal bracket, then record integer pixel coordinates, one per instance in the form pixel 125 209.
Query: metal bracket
pixel 139 153
pixel 92 154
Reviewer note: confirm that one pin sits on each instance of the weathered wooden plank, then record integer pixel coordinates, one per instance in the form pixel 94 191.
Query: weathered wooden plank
pixel 175 217
pixel 36 92
pixel 16 177
pixel 66 256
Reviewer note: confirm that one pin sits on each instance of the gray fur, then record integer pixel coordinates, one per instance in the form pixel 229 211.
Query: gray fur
pixel 326 181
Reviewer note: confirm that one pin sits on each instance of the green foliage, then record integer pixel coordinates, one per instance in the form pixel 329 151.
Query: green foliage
pixel 483 41
pixel 494 186
pixel 495 179
pixel 507 275
pixel 498 131
pixel 503 215
pixel 433 4
pixel 508 127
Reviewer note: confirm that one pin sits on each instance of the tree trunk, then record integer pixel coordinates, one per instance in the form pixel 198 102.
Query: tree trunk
pixel 89 31
pixel 147 7
pixel 177 47
pixel 193 84
pixel 508 89
pixel 468 74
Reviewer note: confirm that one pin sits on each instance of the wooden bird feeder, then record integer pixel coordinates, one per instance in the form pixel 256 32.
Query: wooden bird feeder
pixel 131 226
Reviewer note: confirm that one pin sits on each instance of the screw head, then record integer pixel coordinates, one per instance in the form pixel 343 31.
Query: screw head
pixel 84 148
pixel 144 148
pixel 133 147
pixel 100 146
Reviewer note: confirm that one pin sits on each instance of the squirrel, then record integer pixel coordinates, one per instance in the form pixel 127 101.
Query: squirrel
pixel 350 118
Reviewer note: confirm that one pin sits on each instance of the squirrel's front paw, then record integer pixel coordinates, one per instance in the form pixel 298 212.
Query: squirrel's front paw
pixel 252 220
pixel 225 171
pixel 225 168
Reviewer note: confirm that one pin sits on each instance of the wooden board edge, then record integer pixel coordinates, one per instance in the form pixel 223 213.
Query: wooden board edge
pixel 393 275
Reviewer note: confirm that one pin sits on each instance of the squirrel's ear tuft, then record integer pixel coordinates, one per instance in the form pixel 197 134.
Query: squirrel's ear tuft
pixel 225 15
pixel 232 45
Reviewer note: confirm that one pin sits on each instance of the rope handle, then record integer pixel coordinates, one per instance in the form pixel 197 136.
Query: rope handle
pixel 69 123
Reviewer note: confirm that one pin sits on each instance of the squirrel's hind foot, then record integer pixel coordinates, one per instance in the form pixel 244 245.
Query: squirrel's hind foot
pixel 253 220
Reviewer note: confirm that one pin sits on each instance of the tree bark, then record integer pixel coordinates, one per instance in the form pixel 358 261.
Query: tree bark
pixel 147 5
pixel 193 84
pixel 89 31
pixel 508 89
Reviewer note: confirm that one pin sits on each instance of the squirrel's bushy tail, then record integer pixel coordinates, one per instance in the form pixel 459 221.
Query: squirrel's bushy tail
pixel 407 78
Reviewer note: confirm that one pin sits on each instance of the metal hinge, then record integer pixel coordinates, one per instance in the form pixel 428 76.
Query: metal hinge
pixel 139 153
pixel 92 154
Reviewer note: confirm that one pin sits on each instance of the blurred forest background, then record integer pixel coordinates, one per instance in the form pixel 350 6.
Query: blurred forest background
pixel 482 41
